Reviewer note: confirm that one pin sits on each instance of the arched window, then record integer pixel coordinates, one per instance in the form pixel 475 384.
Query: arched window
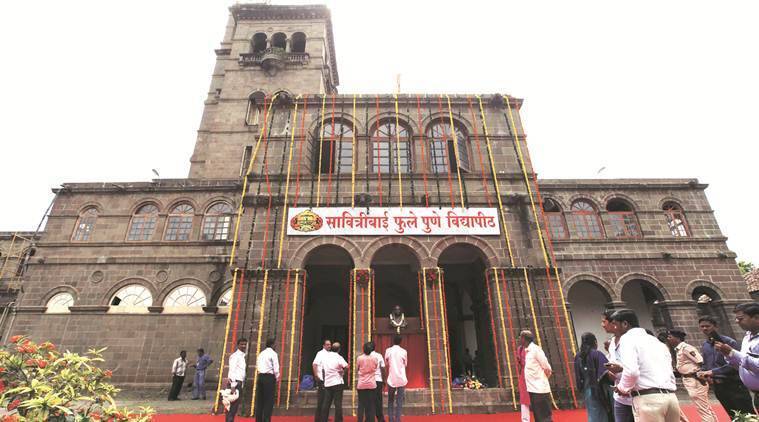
pixel 60 302
pixel 179 223
pixel 442 152
pixel 583 221
pixel 225 298
pixel 387 151
pixel 216 222
pixel 132 296
pixel 279 40
pixel 185 296
pixel 85 224
pixel 259 42
pixel 298 42
pixel 255 108
pixel 555 218
pixel 143 223
pixel 676 221
pixel 622 219
pixel 336 140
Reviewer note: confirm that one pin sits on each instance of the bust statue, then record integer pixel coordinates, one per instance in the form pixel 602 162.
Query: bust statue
pixel 398 319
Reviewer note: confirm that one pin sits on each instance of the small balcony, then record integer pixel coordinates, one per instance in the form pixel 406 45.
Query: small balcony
pixel 273 57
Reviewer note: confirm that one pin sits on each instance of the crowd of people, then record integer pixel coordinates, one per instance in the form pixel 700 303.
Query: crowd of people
pixel 636 379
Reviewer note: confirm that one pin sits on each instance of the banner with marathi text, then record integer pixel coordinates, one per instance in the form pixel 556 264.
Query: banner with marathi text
pixel 383 221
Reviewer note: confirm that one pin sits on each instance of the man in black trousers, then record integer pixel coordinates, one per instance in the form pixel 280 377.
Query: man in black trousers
pixel 177 375
pixel 728 388
pixel 267 366
pixel 318 372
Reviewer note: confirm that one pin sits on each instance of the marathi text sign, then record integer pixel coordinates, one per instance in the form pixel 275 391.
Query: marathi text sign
pixel 379 221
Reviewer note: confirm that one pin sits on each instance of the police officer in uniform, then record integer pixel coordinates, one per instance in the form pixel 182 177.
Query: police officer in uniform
pixel 688 364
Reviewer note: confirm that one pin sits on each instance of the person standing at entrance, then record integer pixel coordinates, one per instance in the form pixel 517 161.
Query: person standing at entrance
pixel 334 367
pixel 178 369
pixel 236 375
pixel 267 365
pixel 379 379
pixel 688 363
pixel 622 404
pixel 366 366
pixel 536 373
pixel 645 365
pixel 396 359
pixel 198 385
pixel 589 366
pixel 318 372
pixel 730 392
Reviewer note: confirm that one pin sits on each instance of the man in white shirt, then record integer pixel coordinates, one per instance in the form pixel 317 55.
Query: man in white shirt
pixel 236 375
pixel 267 366
pixel 396 359
pixel 622 404
pixel 536 373
pixel 334 367
pixel 178 369
pixel 645 365
pixel 379 378
pixel 316 366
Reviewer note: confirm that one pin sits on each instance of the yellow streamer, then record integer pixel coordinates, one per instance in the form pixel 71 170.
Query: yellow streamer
pixel 353 158
pixel 455 151
pixel 505 341
pixel 292 340
pixel 287 186
pixel 427 331
pixel 353 336
pixel 398 153
pixel 245 184
pixel 535 322
pixel 495 179
pixel 537 222
pixel 258 341
pixel 226 340
pixel 321 149
pixel 445 337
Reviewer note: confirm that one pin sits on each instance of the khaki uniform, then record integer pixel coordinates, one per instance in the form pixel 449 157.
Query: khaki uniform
pixel 689 362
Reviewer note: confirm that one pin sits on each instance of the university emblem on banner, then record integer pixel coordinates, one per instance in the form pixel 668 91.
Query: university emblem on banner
pixel 306 221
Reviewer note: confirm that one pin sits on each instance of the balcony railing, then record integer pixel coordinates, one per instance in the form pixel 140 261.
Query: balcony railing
pixel 274 54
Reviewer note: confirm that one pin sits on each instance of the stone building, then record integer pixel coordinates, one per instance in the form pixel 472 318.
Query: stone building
pixel 310 214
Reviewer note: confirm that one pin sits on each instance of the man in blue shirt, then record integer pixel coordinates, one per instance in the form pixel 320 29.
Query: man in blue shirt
pixel 198 386
pixel 730 392
pixel 747 358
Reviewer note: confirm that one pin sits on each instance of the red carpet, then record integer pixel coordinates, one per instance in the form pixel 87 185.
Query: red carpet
pixel 563 416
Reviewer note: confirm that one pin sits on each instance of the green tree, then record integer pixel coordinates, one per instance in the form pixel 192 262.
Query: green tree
pixel 746 267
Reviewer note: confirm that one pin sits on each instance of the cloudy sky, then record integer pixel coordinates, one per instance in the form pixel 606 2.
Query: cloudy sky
pixel 106 90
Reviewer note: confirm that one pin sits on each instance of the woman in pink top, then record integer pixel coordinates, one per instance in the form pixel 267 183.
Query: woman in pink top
pixel 366 366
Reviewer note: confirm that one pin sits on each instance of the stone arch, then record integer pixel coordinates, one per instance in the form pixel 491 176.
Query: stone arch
pixel 183 200
pixel 594 279
pixel 695 284
pixel 616 195
pixel 670 199
pixel 436 115
pixel 216 293
pixel 63 288
pixel 490 256
pixel 145 201
pixel 106 300
pixel 417 248
pixel 622 281
pixel 301 254
pixel 580 196
pixel 559 202
pixel 90 204
pixel 357 127
pixel 218 198
pixel 403 120
pixel 181 282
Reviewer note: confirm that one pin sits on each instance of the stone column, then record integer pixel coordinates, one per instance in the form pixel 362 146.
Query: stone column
pixel 436 329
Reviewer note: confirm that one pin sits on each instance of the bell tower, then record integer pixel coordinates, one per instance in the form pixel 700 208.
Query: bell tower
pixel 266 49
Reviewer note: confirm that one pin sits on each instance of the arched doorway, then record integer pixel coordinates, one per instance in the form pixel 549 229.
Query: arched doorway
pixel 645 298
pixel 588 301
pixel 396 269
pixel 708 303
pixel 326 310
pixel 469 327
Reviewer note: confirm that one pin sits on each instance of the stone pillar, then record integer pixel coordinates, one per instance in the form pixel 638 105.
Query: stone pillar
pixel 680 314
pixel 361 302
pixel 288 45
pixel 436 329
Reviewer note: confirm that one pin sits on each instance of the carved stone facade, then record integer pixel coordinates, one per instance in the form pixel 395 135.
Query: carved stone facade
pixel 653 245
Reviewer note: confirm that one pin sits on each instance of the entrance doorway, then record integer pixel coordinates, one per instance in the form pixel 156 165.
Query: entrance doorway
pixel 326 309
pixel 470 333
